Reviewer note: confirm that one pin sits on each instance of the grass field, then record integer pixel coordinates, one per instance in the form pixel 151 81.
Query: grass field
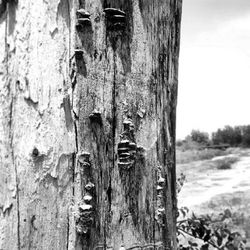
pixel 190 155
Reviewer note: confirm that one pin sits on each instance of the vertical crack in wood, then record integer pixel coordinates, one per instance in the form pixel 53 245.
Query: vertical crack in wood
pixel 15 169
pixel 6 48
pixel 76 136
pixel 73 172
pixel 157 129
pixel 10 93
pixel 68 229
pixel 113 114
pixel 154 201
pixel 109 191
pixel 68 8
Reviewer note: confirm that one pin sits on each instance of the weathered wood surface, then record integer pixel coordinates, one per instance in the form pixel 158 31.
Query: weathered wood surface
pixel 88 124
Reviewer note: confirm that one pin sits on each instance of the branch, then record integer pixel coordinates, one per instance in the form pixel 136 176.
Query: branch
pixel 209 242
pixel 181 221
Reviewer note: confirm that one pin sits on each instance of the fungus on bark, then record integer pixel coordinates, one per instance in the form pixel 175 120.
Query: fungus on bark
pixel 78 54
pixel 35 152
pixel 116 19
pixel 95 116
pixel 83 18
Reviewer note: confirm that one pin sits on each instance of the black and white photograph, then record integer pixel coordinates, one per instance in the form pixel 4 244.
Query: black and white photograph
pixel 124 125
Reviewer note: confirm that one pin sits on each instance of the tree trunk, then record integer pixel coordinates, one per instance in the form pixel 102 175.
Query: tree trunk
pixel 87 131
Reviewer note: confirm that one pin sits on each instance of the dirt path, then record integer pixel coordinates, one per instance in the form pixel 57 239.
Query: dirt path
pixel 203 183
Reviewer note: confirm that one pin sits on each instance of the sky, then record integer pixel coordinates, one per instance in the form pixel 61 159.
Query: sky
pixel 214 65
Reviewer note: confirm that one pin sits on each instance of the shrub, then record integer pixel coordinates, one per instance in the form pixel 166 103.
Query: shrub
pixel 204 232
pixel 225 163
pixel 179 143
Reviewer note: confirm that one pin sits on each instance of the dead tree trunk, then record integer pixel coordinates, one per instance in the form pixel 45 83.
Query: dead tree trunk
pixel 87 124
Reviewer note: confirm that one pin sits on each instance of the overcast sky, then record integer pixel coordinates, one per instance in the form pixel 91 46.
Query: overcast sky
pixel 214 71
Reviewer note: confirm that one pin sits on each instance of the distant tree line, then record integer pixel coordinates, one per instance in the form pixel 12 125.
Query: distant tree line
pixel 233 136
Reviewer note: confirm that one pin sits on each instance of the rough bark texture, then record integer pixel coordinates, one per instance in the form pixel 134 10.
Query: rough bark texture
pixel 87 124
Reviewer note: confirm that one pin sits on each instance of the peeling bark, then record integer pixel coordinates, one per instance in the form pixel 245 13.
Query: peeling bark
pixel 87 124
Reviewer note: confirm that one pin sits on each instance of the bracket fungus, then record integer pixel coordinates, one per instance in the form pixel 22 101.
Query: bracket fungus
pixel 83 21
pixel 83 18
pixel 116 19
pixel 82 13
pixel 95 116
pixel 84 218
pixel 35 152
pixel 161 180
pixel 127 147
pixel 84 157
pixel 87 198
pixel 85 207
pixel 89 186
pixel 79 54
pixel 113 11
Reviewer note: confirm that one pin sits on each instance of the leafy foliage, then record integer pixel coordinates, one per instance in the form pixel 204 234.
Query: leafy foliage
pixel 180 182
pixel 205 233
pixel 208 232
